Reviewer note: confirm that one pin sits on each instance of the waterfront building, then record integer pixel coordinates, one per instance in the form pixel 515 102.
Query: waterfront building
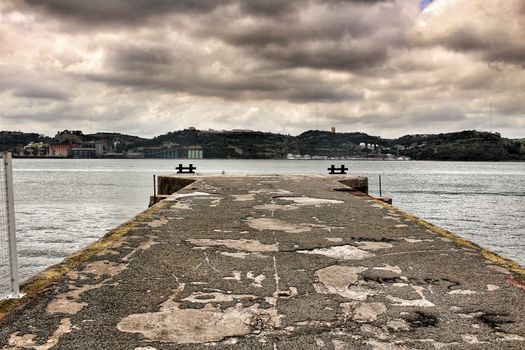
pixel 83 152
pixel 35 149
pixel 89 149
pixel 134 155
pixel 159 152
pixel 99 149
pixel 61 150
pixel 195 152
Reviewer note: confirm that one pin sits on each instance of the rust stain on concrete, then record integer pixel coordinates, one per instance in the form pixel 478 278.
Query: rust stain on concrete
pixel 516 283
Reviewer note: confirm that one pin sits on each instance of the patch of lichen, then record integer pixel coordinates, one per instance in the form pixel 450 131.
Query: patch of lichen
pixel 487 254
pixel 46 278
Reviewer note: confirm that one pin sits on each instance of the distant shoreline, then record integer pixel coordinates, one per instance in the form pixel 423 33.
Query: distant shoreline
pixel 468 145
pixel 281 159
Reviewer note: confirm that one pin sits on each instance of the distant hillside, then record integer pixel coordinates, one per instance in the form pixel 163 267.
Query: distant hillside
pixel 10 140
pixel 116 137
pixel 246 144
pixel 458 146
pixel 324 143
pixel 260 145
pixel 462 146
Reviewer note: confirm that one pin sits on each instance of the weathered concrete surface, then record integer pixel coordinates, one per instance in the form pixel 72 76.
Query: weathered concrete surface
pixel 274 262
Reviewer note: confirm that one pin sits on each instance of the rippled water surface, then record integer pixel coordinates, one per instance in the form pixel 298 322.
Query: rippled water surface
pixel 63 205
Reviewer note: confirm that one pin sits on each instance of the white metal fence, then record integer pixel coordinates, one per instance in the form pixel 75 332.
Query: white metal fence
pixel 9 287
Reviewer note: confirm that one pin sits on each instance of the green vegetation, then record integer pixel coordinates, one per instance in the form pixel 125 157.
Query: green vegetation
pixel 462 146
pixel 459 146
pixel 10 140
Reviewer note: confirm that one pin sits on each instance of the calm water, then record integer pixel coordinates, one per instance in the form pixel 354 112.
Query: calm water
pixel 63 205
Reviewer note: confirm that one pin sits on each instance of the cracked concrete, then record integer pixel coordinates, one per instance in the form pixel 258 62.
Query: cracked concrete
pixel 342 252
pixel 277 225
pixel 273 262
pixel 247 245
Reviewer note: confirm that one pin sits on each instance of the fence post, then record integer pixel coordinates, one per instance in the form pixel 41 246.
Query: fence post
pixel 10 203
pixel 380 192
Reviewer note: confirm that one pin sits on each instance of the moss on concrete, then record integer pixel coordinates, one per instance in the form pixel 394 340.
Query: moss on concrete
pixel 46 278
pixel 487 254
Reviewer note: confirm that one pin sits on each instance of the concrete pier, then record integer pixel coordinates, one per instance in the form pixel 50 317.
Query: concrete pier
pixel 272 262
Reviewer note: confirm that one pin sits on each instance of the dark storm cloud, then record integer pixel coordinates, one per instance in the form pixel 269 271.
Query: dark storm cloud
pixel 336 35
pixel 319 22
pixel 240 88
pixel 100 11
pixel 467 39
pixel 40 92
pixel 30 85
pixel 420 118
pixel 141 58
pixel 333 47
pixel 270 8
pixel 314 94
pixel 495 49
pixel 65 112
pixel 120 11
pixel 423 116
pixel 188 70
pixel 511 54
pixel 371 119
pixel 42 116
pixel 330 56
pixel 350 36
pixel 365 2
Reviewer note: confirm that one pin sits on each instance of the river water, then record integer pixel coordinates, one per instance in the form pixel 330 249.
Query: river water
pixel 62 205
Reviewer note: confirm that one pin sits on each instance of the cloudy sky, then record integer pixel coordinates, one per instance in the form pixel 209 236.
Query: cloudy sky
pixel 144 67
